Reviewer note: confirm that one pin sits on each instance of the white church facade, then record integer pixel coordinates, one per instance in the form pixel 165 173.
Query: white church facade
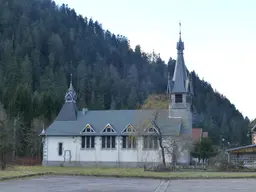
pixel 117 138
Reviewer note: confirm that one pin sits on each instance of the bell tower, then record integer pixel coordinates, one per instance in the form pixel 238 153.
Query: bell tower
pixel 180 90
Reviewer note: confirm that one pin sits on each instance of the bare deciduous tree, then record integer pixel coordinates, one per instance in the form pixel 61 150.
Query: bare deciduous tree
pixel 34 140
pixel 170 145
pixel 176 146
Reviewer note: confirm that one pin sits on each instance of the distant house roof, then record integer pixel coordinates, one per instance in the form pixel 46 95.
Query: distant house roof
pixel 241 147
pixel 197 134
pixel 205 134
pixel 118 119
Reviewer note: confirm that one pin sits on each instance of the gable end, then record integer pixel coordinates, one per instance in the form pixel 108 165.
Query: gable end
pixel 129 129
pixel 88 129
pixel 108 129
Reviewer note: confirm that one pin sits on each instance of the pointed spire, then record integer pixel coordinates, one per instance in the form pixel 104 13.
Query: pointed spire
pixel 180 73
pixel 70 84
pixel 43 131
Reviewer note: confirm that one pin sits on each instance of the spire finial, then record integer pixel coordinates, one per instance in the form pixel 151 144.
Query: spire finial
pixel 70 84
pixel 70 78
pixel 180 29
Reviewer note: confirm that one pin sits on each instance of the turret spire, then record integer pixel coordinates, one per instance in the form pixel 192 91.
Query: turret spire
pixel 70 84
pixel 71 93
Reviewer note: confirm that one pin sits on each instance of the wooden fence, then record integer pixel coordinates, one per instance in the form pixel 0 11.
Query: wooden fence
pixel 27 161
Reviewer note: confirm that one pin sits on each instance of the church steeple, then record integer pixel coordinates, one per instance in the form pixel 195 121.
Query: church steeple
pixel 180 86
pixel 179 90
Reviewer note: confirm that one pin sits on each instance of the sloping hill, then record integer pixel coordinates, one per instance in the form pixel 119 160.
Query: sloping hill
pixel 41 44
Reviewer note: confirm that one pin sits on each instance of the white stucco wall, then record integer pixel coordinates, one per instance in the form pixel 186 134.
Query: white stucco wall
pixel 51 147
pixel 117 155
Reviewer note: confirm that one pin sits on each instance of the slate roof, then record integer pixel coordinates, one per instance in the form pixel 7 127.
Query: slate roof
pixel 68 112
pixel 180 73
pixel 118 119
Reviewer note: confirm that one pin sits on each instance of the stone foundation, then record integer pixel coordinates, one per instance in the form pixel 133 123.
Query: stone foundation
pixel 102 164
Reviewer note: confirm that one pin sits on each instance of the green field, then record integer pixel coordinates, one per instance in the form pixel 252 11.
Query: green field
pixel 23 171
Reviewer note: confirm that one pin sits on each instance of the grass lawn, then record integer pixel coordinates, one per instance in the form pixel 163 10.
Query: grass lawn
pixel 21 171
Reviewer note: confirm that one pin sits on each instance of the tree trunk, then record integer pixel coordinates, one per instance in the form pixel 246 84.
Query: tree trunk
pixel 162 151
pixel 3 161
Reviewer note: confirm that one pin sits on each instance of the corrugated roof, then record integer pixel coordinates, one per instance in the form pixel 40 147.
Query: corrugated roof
pixel 118 119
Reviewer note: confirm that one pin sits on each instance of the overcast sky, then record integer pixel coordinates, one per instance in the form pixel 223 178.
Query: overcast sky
pixel 219 37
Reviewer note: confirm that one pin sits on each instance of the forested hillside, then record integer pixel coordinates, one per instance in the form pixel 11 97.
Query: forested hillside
pixel 41 44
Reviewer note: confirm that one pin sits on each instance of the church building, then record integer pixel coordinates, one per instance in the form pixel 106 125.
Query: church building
pixel 117 138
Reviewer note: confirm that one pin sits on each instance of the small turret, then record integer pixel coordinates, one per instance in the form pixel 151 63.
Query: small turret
pixel 71 93
pixel 68 111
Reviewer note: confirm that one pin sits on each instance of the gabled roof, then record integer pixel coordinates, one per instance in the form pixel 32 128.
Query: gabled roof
pixel 118 119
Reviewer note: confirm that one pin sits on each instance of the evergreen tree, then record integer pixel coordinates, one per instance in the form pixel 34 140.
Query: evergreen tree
pixel 41 44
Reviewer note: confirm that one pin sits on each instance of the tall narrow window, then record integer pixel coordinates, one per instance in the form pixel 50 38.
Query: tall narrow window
pixel 150 142
pixel 88 142
pixel 129 142
pixel 108 142
pixel 92 141
pixel 178 98
pixel 103 142
pixel 60 149
pixel 83 142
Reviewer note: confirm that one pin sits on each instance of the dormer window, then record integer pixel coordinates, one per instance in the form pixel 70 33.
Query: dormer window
pixel 178 98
